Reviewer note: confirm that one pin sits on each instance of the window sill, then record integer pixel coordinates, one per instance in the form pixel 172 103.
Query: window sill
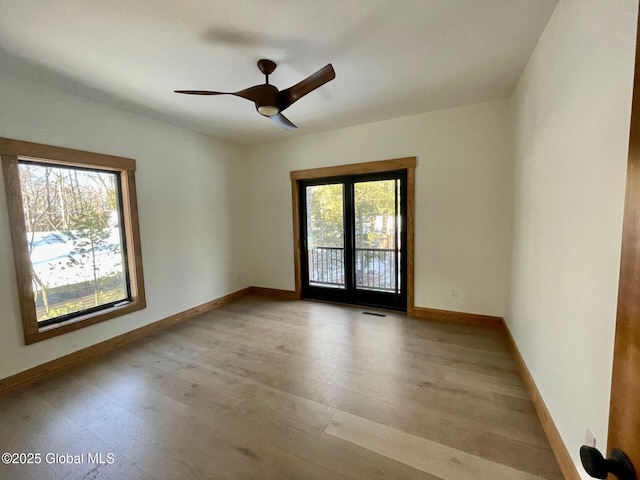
pixel 77 323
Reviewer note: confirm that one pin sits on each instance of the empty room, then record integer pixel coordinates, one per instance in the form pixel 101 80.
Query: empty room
pixel 348 239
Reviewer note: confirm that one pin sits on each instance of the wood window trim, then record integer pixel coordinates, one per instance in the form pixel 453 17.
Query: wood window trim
pixel 10 150
pixel 406 163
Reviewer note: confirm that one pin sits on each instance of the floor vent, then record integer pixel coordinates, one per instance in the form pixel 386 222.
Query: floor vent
pixel 375 314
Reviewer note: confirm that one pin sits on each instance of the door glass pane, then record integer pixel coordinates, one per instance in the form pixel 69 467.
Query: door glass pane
pixel 376 235
pixel 325 235
pixel 398 237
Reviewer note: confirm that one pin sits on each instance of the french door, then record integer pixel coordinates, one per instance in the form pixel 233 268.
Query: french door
pixel 354 239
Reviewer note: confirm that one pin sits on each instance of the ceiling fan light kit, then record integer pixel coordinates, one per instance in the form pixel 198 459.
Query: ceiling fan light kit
pixel 271 102
pixel 268 110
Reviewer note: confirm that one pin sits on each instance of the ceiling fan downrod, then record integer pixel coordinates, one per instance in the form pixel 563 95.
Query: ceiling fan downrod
pixel 267 67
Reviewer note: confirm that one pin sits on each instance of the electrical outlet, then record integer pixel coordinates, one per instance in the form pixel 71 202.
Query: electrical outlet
pixel 454 293
pixel 590 438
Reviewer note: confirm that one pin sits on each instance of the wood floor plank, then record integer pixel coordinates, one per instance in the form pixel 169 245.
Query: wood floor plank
pixel 505 444
pixel 423 454
pixel 507 386
pixel 340 344
pixel 202 387
pixel 34 425
pixel 495 439
pixel 327 455
pixel 327 354
pixel 261 389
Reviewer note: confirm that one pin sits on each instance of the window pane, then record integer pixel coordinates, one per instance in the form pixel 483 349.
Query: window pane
pixel 74 238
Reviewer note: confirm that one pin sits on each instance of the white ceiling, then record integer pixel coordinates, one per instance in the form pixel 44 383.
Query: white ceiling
pixel 392 57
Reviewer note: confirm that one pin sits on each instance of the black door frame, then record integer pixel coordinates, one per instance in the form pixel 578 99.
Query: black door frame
pixel 351 294
pixel 405 163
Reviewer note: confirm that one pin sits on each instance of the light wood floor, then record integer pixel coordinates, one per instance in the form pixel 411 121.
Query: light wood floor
pixel 288 390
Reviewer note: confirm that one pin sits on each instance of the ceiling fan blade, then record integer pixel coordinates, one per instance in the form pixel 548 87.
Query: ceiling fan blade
pixel 283 121
pixel 292 94
pixel 254 94
pixel 258 93
pixel 202 92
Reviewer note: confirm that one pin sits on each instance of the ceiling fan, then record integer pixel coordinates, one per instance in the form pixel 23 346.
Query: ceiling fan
pixel 270 101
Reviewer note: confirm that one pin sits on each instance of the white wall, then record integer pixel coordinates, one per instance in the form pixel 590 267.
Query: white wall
pixel 463 200
pixel 188 200
pixel 572 107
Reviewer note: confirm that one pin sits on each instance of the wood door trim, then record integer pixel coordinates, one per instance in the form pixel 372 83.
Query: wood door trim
pixel 297 243
pixel 624 413
pixel 355 169
pixel 411 217
pixel 407 163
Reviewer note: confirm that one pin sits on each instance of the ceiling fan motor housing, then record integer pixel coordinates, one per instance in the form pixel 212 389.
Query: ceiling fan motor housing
pixel 267 101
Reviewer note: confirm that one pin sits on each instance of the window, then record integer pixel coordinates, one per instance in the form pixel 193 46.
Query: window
pixel 75 236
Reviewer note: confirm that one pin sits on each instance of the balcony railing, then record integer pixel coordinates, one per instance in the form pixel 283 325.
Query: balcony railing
pixel 375 268
pixel 326 267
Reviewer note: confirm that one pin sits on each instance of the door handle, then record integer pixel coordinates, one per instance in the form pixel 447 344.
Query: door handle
pixel 597 467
